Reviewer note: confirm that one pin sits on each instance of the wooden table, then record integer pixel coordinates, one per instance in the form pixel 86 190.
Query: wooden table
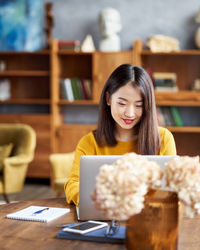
pixel 16 234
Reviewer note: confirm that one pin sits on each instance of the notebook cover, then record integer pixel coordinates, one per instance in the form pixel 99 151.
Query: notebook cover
pixel 97 235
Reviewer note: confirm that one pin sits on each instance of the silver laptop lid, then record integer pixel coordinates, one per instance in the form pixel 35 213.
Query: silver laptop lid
pixel 89 168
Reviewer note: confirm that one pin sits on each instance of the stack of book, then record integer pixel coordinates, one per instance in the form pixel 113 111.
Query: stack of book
pixel 169 116
pixel 76 89
pixel 69 45
pixel 165 81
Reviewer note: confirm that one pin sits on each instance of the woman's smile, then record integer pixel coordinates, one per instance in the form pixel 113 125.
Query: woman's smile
pixel 128 121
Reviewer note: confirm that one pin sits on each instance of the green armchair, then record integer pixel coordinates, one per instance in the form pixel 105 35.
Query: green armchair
pixel 17 146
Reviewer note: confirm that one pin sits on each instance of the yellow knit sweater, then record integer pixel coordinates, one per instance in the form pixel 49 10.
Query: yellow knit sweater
pixel 88 146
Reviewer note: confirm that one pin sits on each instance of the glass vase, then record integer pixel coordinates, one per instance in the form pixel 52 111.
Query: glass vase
pixel 156 227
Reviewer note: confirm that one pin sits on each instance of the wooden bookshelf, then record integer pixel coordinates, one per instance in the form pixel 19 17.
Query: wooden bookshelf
pixel 186 65
pixel 29 77
pixel 35 79
pixel 96 66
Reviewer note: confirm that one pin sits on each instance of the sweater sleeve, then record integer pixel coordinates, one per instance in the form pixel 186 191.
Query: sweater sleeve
pixel 168 146
pixel 85 147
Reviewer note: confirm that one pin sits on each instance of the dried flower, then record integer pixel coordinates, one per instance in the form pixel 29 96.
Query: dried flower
pixel 121 187
pixel 182 175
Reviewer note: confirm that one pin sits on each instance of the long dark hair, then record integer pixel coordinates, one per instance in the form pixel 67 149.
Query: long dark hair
pixel 148 134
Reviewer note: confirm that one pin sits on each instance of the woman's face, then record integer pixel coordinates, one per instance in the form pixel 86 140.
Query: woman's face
pixel 126 106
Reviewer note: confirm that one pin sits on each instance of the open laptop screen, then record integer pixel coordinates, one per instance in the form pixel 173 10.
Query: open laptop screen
pixel 89 168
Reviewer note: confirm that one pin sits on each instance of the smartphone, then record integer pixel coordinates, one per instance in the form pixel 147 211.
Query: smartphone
pixel 86 227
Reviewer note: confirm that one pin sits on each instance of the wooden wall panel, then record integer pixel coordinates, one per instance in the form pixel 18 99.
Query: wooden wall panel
pixel 103 66
pixel 68 136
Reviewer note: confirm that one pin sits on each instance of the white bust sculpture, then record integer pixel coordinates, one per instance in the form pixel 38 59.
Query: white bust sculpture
pixel 110 25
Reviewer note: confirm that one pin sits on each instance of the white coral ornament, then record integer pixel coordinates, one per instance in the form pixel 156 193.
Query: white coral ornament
pixel 121 187
pixel 182 176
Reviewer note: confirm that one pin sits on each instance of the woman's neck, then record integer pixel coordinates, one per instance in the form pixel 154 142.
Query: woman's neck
pixel 125 135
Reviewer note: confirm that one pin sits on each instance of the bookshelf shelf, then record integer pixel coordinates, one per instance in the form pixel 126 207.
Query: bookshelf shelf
pixel 13 73
pixel 19 53
pixel 26 101
pixel 179 98
pixel 74 53
pixel 78 102
pixel 177 103
pixel 184 129
pixel 183 52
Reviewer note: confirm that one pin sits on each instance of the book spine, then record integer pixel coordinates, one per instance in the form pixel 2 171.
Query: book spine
pixel 167 123
pixel 70 42
pixel 166 89
pixel 63 93
pixel 68 87
pixel 169 117
pixel 78 87
pixel 158 116
pixel 83 90
pixel 69 45
pixel 177 117
pixel 161 116
pixel 88 88
pixel 74 89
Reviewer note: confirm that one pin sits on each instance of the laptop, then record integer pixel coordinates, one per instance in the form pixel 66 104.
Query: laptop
pixel 89 168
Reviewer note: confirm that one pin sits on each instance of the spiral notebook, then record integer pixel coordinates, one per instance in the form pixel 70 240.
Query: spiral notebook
pixel 38 213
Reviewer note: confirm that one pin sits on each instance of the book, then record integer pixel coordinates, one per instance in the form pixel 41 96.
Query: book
pixel 83 90
pixel 164 75
pixel 98 235
pixel 169 120
pixel 68 89
pixel 165 81
pixel 75 89
pixel 166 88
pixel 88 88
pixel 69 45
pixel 160 117
pixel 177 117
pixel 77 83
pixel 63 93
pixel 38 213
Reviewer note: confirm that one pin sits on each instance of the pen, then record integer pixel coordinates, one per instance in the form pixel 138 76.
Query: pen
pixel 40 211
pixel 66 225
pixel 62 226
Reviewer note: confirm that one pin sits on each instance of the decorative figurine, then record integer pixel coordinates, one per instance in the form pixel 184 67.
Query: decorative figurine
pixel 88 44
pixel 110 25
pixel 49 23
pixel 161 43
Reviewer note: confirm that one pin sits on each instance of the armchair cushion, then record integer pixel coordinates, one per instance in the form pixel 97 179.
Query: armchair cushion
pixel 5 151
pixel 61 165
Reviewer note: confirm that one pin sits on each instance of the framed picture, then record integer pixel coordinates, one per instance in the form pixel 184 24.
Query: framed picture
pixel 21 25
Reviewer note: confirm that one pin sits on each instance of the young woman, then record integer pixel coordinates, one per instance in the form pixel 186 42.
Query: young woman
pixel 127 123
